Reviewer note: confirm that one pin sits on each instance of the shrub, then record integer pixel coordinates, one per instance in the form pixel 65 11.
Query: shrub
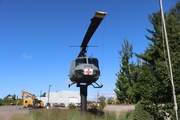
pixel 110 100
pixel 141 112
pixel 72 106
pixel 102 103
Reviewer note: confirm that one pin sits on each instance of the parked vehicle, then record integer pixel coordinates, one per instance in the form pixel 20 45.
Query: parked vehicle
pixel 48 105
pixel 62 105
pixel 56 105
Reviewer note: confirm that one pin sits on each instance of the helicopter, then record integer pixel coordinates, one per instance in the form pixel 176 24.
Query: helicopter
pixel 83 69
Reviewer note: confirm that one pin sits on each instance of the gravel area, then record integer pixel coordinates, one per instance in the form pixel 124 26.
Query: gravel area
pixel 119 108
pixel 6 112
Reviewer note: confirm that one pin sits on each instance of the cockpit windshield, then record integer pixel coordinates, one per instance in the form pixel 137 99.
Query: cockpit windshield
pixel 80 61
pixel 93 61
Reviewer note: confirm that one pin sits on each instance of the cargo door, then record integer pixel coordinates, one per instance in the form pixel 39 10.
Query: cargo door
pixel 73 100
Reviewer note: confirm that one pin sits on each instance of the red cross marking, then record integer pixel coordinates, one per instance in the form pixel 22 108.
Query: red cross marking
pixel 88 71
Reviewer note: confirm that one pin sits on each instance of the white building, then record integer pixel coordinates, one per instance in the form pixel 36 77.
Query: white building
pixel 63 96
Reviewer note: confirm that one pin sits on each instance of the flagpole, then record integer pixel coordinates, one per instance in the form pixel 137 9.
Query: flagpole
pixel 169 59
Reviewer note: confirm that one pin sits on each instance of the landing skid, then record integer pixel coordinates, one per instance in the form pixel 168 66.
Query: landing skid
pixel 79 84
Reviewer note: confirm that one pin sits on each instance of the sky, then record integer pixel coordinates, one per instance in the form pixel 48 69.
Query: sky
pixel 36 35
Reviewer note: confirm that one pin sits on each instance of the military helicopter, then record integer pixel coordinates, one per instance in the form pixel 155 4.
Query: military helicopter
pixel 85 70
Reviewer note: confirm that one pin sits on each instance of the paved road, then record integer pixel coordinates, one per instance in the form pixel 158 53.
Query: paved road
pixel 6 112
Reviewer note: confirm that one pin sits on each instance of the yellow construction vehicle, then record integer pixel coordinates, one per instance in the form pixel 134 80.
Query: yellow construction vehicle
pixel 94 104
pixel 30 101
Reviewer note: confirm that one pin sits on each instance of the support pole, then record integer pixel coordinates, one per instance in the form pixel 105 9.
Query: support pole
pixel 83 92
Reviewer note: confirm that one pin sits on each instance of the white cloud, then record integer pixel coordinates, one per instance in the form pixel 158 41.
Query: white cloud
pixel 26 56
pixel 92 98
pixel 108 94
pixel 105 94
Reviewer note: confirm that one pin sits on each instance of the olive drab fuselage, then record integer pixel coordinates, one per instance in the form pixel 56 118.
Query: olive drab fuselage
pixel 84 70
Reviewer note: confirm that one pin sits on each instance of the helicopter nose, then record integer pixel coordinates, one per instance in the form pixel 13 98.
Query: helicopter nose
pixel 79 73
pixel 96 74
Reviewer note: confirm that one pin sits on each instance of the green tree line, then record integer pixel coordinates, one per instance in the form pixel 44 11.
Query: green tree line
pixel 10 100
pixel 146 81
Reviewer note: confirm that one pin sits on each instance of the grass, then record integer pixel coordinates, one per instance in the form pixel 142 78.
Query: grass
pixel 71 114
pixel 126 116
pixel 20 117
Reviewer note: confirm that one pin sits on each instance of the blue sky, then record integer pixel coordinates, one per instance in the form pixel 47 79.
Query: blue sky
pixel 35 36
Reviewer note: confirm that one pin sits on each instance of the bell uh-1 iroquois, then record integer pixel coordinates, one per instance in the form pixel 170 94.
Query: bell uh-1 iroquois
pixel 84 70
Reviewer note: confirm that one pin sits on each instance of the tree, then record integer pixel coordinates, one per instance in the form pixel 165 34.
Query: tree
pixel 110 100
pixel 127 75
pixel 1 102
pixel 43 95
pixel 102 103
pixel 9 99
pixel 155 72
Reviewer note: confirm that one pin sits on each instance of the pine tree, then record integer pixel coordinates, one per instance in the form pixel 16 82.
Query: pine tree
pixel 126 76
pixel 156 75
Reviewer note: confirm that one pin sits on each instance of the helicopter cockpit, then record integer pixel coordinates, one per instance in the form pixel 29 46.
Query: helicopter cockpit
pixel 93 61
pixel 81 61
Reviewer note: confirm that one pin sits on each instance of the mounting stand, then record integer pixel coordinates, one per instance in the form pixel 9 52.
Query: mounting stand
pixel 83 93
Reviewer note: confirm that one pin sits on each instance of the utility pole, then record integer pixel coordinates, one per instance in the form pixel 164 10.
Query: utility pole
pixel 49 93
pixel 169 59
pixel 40 94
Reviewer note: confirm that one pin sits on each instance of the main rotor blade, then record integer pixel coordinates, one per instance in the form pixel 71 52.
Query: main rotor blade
pixel 95 21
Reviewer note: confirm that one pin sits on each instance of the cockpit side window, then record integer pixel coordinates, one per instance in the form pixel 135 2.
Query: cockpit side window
pixel 93 61
pixel 80 61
